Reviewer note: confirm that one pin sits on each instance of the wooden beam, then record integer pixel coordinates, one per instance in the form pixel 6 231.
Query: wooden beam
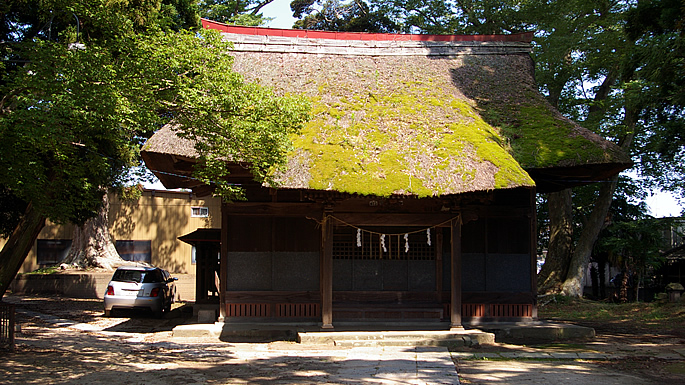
pixel 438 261
pixel 275 209
pixel 455 292
pixel 370 219
pixel 273 297
pixel 533 221
pixel 327 273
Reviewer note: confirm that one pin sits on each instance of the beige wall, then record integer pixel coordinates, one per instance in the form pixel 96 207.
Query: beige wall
pixel 159 216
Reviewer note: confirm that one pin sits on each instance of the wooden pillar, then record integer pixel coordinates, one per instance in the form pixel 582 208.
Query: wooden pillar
pixel 455 304
pixel 532 217
pixel 438 262
pixel 223 263
pixel 326 273
pixel 200 273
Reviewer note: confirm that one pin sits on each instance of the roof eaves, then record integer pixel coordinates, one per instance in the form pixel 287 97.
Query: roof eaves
pixel 525 37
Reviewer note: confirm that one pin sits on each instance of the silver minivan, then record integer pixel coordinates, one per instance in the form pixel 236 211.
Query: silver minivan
pixel 140 287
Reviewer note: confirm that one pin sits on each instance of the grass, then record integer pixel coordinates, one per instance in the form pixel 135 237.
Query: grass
pixel 654 317
pixel 45 270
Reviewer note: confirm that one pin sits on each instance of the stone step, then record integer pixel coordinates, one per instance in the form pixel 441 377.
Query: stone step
pixel 398 338
pixel 451 343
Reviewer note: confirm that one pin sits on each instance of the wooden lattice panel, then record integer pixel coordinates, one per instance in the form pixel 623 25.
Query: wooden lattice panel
pixel 248 309
pixel 470 310
pixel 473 310
pixel 511 310
pixel 371 247
pixel 298 310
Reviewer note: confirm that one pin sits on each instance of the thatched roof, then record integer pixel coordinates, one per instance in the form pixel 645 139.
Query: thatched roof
pixel 414 115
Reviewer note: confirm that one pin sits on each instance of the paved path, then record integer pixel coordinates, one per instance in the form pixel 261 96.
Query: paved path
pixel 167 361
pixel 110 351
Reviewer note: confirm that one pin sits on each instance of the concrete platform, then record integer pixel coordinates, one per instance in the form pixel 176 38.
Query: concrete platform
pixel 536 331
pixel 388 334
pixel 445 338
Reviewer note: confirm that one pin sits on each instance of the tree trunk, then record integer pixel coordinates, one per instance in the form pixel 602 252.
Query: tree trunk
pixel 602 281
pixel 638 283
pixel 573 285
pixel 594 276
pixel 92 244
pixel 556 264
pixel 623 296
pixel 18 246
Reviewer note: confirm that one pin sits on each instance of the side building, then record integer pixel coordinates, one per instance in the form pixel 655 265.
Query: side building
pixel 146 229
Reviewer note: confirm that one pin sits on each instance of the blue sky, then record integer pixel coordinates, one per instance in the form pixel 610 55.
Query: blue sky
pixel 280 11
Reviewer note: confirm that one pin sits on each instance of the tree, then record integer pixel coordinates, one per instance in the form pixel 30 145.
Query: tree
pixel 627 99
pixel 335 15
pixel 454 17
pixel 657 30
pixel 633 246
pixel 239 12
pixel 73 120
pixel 91 243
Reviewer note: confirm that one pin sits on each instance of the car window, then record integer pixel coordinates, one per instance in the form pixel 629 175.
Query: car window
pixel 153 277
pixel 128 276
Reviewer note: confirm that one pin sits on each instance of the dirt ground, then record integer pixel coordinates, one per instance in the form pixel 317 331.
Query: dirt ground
pixel 133 348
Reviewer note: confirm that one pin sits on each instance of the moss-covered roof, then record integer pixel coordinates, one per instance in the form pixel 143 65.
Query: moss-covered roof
pixel 464 117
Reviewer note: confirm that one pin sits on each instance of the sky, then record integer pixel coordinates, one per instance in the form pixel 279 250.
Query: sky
pixel 280 11
pixel 663 204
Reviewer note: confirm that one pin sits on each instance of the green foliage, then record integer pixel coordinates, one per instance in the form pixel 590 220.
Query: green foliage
pixel 635 244
pixel 336 15
pixel 454 17
pixel 238 12
pixel 59 106
pixel 657 28
pixel 72 120
pixel 11 210
pixel 130 193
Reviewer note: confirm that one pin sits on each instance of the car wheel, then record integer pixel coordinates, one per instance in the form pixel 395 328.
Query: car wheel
pixel 160 313
pixel 108 313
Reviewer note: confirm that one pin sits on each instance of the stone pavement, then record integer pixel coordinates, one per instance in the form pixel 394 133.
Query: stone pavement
pixel 357 365
pixel 127 356
pixel 241 363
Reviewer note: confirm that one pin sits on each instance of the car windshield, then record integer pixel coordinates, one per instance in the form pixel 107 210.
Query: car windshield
pixel 128 276
pixel 153 277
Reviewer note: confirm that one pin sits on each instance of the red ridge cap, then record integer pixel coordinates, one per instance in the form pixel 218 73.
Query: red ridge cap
pixel 525 37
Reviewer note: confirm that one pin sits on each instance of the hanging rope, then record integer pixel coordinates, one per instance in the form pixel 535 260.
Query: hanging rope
pixel 360 232
pixel 458 217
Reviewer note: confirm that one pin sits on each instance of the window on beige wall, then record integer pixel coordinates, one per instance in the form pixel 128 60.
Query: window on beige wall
pixel 199 212
pixel 52 251
pixel 137 251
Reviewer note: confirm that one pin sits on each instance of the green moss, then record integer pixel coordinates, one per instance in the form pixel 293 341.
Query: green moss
pixel 541 140
pixel 336 113
pixel 538 138
pixel 410 141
